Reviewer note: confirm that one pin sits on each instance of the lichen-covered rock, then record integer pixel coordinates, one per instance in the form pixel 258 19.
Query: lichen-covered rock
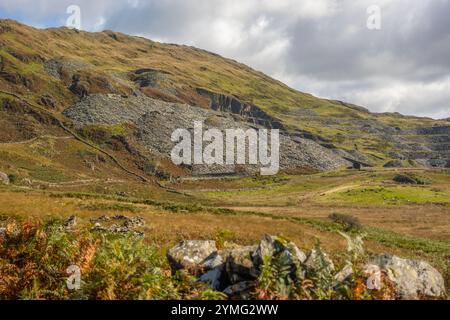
pixel 191 255
pixel 412 279
pixel 4 179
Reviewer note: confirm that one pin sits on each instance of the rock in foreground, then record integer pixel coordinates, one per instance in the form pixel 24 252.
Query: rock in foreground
pixel 237 271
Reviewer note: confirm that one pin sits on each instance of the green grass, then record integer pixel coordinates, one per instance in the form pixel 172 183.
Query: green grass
pixel 389 196
pixel 48 174
pixel 111 206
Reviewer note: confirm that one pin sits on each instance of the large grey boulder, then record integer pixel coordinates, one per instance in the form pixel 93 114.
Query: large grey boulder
pixel 191 255
pixel 268 247
pixel 412 279
pixel 271 246
pixel 283 251
pixel 4 179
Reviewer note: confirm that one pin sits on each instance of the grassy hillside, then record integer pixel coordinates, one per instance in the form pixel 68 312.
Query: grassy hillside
pixel 108 60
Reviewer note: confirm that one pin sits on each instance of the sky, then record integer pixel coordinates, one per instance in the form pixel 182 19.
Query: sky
pixel 385 55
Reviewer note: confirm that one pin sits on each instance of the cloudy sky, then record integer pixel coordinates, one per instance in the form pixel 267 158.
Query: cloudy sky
pixel 322 47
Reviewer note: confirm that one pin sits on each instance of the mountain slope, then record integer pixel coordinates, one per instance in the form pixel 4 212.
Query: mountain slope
pixel 56 68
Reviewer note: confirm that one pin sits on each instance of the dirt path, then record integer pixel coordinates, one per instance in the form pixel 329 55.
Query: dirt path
pixel 35 139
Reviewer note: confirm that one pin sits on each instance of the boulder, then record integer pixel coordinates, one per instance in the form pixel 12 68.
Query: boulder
pixel 239 264
pixel 373 275
pixel 412 279
pixel 314 262
pixel 344 274
pixel 70 223
pixel 4 179
pixel 272 246
pixel 268 247
pixel 191 255
pixel 215 275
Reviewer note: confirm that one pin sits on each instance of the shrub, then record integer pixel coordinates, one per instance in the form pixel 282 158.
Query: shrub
pixel 222 236
pixel 12 178
pixel 34 258
pixel 410 178
pixel 347 222
pixel 127 269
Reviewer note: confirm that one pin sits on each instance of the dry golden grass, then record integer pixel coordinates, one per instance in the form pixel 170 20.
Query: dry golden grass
pixel 166 228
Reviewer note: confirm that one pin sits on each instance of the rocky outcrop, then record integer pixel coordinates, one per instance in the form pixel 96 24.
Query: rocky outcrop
pixel 118 224
pixel 64 68
pixel 235 271
pixel 149 77
pixel 253 114
pixel 80 88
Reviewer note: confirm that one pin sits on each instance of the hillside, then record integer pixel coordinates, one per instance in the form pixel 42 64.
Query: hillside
pixel 55 68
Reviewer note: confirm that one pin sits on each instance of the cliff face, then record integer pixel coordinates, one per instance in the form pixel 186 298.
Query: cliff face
pixel 253 114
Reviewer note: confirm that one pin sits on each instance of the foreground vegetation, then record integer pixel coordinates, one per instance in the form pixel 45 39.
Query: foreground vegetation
pixel 35 258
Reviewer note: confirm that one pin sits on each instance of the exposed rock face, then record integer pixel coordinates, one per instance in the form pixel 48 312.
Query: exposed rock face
pixel 214 265
pixel 4 179
pixel 63 68
pixel 408 179
pixel 413 279
pixel 224 103
pixel 157 120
